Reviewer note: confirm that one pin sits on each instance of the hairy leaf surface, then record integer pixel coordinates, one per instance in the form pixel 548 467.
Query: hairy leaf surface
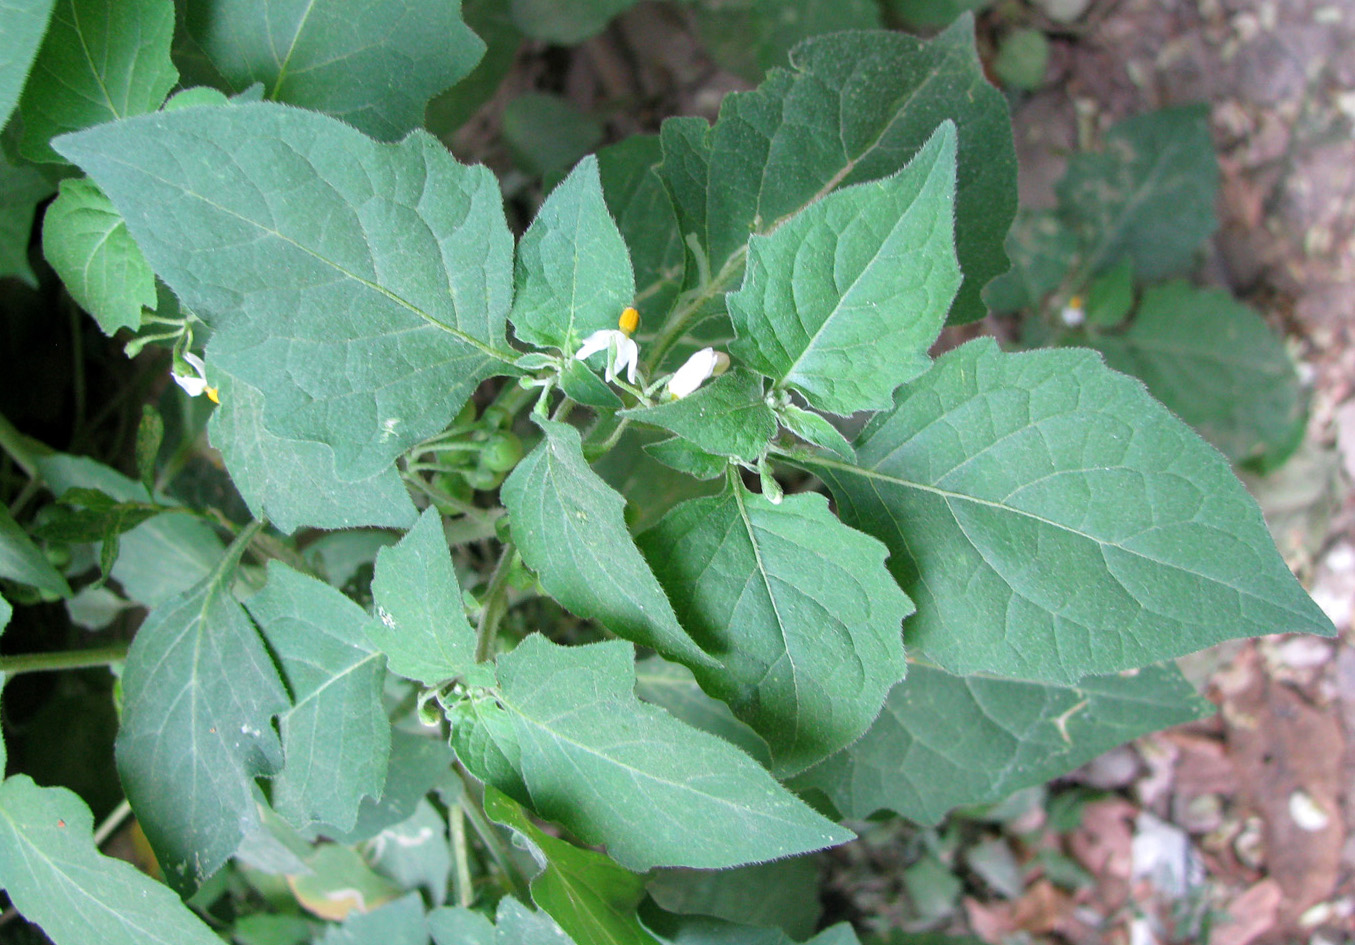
pixel 944 741
pixel 292 482
pixel 58 879
pixel 799 609
pixel 569 526
pixel 100 60
pixel 728 416
pixel 374 64
pixel 617 772
pixel 335 737
pixel 1216 364
pixel 420 621
pixel 573 274
pixel 344 278
pixel 200 692
pixel 591 897
pixel 843 301
pixel 644 214
pixel 853 107
pixel 88 245
pixel 1053 521
pixel 22 25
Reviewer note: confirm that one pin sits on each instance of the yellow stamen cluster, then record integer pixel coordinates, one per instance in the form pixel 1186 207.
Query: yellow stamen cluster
pixel 629 321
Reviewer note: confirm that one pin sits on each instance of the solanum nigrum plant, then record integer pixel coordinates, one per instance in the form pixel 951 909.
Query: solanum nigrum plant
pixel 650 538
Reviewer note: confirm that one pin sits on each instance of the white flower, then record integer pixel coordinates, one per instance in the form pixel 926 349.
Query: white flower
pixel 195 384
pixel 622 352
pixel 1073 314
pixel 704 364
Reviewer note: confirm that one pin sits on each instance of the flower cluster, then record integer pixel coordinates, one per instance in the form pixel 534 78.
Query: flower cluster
pixel 623 356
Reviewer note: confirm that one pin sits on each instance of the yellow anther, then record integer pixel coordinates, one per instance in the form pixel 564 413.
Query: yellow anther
pixel 1075 302
pixel 211 393
pixel 629 321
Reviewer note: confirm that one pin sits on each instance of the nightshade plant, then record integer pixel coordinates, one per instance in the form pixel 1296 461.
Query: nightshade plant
pixel 582 467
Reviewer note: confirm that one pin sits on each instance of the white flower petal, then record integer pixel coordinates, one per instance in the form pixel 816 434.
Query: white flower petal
pixel 597 341
pixel 693 374
pixel 193 386
pixel 628 356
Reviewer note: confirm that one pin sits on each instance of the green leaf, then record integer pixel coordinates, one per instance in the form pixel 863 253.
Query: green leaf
pixel 582 385
pixel 684 456
pixel 336 737
pixel 421 623
pixel 782 894
pixel 799 609
pixel 649 487
pixel 1216 364
pixel 704 930
pixel 546 134
pixel 21 190
pixel 1053 521
pixel 815 429
pixel 601 763
pixel 1042 251
pixel 57 878
pixel 853 107
pixel 293 482
pixel 23 561
pixel 150 433
pixel 396 923
pixel 640 206
pixel 518 925
pixel 568 525
pixel 88 515
pixel 22 25
pixel 566 22
pixel 750 36
pixel 415 852
pixel 374 65
pixel 418 764
pixel 727 417
pixel 843 301
pixel 200 692
pixel 944 741
pixel 932 14
pixel 159 558
pixel 573 273
pixel 1148 195
pixel 672 687
pixel 305 222
pixel 88 245
pixel 460 926
pixel 100 60
pixel 1111 297
pixel 590 897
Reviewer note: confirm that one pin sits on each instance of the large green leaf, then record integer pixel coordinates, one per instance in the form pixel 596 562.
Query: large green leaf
pixel 751 36
pixel 569 526
pixel 421 623
pixel 590 897
pixel 943 741
pixel 781 894
pixel 672 687
pixel 1148 195
pixel 57 878
pixel 843 301
pixel 573 274
pixel 292 482
pixel 1216 364
pixel 88 245
pixel 799 609
pixel 1053 521
pixel 21 190
pixel 492 21
pixel 644 214
pixel 158 559
pixel 396 923
pixel 565 22
pixel 1042 251
pixel 853 107
pixel 344 278
pixel 23 561
pixel 100 60
pixel 374 64
pixel 336 737
pixel 603 764
pixel 22 24
pixel 725 417
pixel 200 692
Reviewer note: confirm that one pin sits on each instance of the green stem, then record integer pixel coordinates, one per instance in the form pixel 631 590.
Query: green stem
pixel 678 321
pixel 66 659
pixel 465 895
pixel 23 449
pixel 495 605
pixel 490 837
pixel 592 451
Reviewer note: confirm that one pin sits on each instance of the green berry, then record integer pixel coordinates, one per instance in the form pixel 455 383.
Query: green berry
pixel 501 452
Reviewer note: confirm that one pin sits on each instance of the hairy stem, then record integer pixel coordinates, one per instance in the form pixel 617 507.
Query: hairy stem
pixel 495 605
pixel 66 659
